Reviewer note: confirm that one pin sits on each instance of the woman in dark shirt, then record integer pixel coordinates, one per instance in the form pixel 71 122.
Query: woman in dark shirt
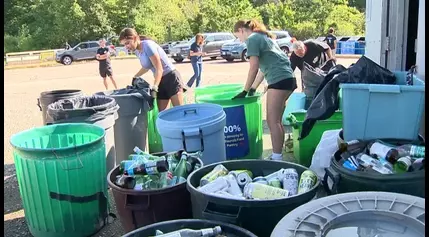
pixel 196 53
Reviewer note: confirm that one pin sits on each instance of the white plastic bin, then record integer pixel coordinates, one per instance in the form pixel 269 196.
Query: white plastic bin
pixel 372 111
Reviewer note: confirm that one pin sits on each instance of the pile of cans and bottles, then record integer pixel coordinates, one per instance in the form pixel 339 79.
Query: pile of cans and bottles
pixel 381 157
pixel 240 184
pixel 207 232
pixel 143 171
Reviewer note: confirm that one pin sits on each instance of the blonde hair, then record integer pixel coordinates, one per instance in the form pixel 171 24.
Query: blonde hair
pixel 254 26
pixel 198 36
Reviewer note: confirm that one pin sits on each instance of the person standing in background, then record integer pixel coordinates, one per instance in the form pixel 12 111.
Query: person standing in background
pixel 331 40
pixel 196 53
pixel 103 57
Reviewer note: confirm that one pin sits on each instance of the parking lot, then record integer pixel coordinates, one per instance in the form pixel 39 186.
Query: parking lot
pixel 23 87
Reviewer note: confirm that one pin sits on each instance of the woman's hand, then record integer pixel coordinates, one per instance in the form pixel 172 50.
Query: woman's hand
pixel 240 95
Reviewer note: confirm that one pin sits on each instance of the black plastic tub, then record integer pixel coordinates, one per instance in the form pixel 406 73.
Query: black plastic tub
pixel 342 180
pixel 170 226
pixel 140 208
pixel 257 216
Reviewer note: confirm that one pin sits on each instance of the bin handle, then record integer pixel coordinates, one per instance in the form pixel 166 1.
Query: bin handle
pixel 211 214
pixel 137 207
pixel 190 111
pixel 190 133
pixel 335 177
pixel 38 104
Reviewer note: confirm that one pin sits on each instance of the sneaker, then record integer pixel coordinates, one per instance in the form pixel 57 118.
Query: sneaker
pixel 270 157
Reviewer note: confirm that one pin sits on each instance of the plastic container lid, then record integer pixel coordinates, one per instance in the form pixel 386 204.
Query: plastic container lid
pixel 191 115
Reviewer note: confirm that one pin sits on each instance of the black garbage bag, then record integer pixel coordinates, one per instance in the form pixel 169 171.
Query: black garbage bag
pixel 82 109
pixel 326 101
pixel 312 78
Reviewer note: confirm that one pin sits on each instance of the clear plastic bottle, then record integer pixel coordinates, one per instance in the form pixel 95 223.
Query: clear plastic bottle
pixel 411 150
pixel 208 232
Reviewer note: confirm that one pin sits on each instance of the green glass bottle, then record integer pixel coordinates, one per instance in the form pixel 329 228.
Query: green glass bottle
pixel 181 169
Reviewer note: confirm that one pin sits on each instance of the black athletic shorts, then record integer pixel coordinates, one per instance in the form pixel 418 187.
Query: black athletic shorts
pixel 171 84
pixel 106 71
pixel 288 84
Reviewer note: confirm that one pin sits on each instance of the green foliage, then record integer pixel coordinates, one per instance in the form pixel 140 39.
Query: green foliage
pixel 47 24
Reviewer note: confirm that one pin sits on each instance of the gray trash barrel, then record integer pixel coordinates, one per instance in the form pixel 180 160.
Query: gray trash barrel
pixel 48 97
pixel 131 124
pixel 97 110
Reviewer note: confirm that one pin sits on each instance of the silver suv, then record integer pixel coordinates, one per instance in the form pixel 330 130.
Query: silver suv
pixel 212 44
pixel 82 51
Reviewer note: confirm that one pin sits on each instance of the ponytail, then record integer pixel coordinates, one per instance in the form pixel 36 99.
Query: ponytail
pixel 254 26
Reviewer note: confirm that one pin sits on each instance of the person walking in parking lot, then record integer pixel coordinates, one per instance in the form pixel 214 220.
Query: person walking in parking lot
pixel 103 57
pixel 168 85
pixel 196 53
pixel 331 40
pixel 269 61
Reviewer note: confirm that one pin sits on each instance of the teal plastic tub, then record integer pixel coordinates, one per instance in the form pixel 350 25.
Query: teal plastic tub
pixel 375 111
pixel 296 102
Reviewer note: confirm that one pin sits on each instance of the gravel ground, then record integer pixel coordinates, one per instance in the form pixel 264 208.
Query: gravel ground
pixel 23 87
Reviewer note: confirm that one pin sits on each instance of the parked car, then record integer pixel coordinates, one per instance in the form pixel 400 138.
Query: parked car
pixel 237 50
pixel 212 44
pixel 82 51
pixel 169 45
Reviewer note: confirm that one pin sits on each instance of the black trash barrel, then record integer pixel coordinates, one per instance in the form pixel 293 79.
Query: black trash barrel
pixel 196 224
pixel 258 216
pixel 338 179
pixel 140 208
pixel 48 97
pixel 131 125
pixel 97 110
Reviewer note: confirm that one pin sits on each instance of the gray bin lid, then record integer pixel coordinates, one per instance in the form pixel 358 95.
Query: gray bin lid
pixel 358 214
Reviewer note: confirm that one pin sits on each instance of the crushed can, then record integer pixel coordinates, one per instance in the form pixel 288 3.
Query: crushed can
pixel 243 177
pixel 215 186
pixel 290 181
pixel 307 181
pixel 275 182
pixel 234 188
pixel 261 180
pixel 263 192
pixel 218 171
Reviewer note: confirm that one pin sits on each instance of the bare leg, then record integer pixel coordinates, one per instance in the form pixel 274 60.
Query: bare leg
pixel 177 99
pixel 105 83
pixel 113 82
pixel 162 104
pixel 276 100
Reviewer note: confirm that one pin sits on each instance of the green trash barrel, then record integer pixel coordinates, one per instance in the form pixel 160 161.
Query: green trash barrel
pixel 243 129
pixel 215 89
pixel 303 149
pixel 61 172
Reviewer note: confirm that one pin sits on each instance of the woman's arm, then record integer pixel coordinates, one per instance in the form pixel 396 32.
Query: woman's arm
pixel 141 72
pixel 253 71
pixel 156 62
pixel 259 79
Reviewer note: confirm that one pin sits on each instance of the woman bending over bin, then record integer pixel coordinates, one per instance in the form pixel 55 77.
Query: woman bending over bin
pixel 269 61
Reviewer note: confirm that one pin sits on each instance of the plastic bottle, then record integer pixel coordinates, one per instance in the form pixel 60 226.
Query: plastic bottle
pixel 411 150
pixel 149 168
pixel 208 232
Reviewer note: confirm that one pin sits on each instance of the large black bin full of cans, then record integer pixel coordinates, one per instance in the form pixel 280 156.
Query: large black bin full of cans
pixel 258 216
pixel 141 208
pixel 338 179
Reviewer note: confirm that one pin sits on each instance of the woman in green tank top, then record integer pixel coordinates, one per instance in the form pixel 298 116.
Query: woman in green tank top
pixel 267 61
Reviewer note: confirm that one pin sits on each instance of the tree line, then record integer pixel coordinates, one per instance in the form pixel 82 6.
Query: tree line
pixel 47 24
